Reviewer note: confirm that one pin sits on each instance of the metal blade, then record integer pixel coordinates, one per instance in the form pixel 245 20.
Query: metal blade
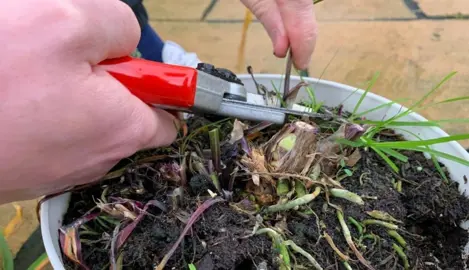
pixel 265 113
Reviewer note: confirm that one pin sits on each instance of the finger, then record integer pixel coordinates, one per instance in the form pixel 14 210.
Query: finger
pixel 115 31
pixel 301 28
pixel 268 13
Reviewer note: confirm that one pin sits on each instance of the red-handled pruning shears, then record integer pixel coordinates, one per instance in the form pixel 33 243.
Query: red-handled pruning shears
pixel 204 89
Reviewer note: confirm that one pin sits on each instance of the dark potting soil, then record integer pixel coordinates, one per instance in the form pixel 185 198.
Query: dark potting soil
pixel 430 211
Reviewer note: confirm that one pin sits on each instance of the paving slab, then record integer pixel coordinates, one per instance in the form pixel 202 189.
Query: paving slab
pixel 29 224
pixel 411 57
pixel 326 10
pixel 443 8
pixel 180 9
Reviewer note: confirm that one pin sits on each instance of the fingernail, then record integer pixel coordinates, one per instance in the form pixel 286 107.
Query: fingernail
pixel 304 64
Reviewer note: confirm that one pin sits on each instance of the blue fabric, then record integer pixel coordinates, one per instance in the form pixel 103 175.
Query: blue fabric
pixel 150 44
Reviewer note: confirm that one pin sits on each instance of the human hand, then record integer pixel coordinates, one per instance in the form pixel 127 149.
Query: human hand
pixel 290 24
pixel 63 121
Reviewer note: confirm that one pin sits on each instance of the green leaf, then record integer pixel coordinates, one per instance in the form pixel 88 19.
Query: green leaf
pixel 192 267
pixel 452 100
pixel 40 262
pixel 399 123
pixel 6 256
pixel 395 154
pixel 446 78
pixel 300 189
pixel 438 154
pixel 350 143
pixel 386 158
pixel 409 110
pixel 283 186
pixel 405 144
pixel 372 82
pixel 435 161
pixel 377 108
pixel 312 97
pixel 433 123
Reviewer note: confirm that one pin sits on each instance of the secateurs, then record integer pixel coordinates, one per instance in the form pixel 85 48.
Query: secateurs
pixel 205 89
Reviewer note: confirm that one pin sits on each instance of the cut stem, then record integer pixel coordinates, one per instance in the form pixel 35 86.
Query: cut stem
pixel 347 265
pixel 382 215
pixel 297 202
pixel 380 223
pixel 394 234
pixel 347 195
pixel 402 255
pixel 215 148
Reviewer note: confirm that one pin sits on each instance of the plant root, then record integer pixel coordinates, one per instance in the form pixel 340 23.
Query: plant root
pixel 335 248
pixel 298 249
pixel 348 238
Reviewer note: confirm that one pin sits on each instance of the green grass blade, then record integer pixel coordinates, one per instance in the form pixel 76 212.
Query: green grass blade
pixel 372 82
pixel 400 123
pixel 446 78
pixel 279 96
pixel 404 144
pixel 350 143
pixel 379 107
pixel 439 154
pixel 312 96
pixel 433 123
pixel 433 157
pixel 40 262
pixel 6 256
pixel 452 100
pixel 395 154
pixel 386 158
pixel 456 120
pixel 418 103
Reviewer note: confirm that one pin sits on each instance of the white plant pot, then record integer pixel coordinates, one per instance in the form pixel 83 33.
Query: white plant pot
pixel 332 94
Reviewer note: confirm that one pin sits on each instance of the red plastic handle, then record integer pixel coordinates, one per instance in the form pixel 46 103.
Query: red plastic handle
pixel 153 82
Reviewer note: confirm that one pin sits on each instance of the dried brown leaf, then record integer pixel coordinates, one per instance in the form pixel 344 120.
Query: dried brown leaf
pixel 290 98
pixel 353 158
pixel 298 159
pixel 237 133
pixel 256 164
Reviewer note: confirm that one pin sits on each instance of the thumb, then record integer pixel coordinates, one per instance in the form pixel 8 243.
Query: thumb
pixel 159 127
pixel 268 13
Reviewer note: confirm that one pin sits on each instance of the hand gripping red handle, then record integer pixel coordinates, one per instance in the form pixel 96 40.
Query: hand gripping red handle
pixel 153 82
